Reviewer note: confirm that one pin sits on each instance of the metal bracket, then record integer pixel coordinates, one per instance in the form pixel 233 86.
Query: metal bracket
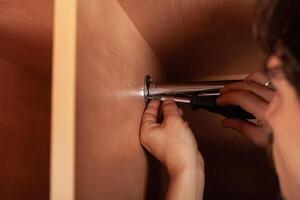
pixel 146 88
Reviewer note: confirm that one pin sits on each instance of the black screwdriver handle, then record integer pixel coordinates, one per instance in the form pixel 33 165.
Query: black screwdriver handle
pixel 209 103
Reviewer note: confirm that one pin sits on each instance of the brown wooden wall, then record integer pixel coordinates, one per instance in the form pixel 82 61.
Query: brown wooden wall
pixel 195 39
pixel 199 39
pixel 112 60
pixel 24 134
pixel 25 85
pixel 118 43
pixel 191 40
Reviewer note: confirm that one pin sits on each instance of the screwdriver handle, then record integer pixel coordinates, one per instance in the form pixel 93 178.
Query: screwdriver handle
pixel 209 103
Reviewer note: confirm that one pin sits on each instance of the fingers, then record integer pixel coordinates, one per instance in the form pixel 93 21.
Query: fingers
pixel 250 130
pixel 258 89
pixel 258 77
pixel 246 100
pixel 151 113
pixel 170 109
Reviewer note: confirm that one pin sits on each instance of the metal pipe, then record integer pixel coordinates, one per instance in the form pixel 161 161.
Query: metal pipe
pixel 158 89
pixel 209 94
pixel 176 99
pixel 154 89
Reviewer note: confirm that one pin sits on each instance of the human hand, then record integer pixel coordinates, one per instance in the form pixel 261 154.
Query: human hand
pixel 172 141
pixel 253 96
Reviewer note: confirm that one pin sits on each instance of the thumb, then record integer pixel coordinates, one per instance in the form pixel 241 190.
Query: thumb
pixel 170 109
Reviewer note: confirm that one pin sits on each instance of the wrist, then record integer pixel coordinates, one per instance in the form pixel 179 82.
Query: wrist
pixel 193 167
pixel 187 183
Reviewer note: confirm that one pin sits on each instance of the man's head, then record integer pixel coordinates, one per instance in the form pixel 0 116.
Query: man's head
pixel 278 30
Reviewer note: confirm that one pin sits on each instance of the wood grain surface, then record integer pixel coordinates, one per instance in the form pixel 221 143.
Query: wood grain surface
pixel 112 60
pixel 24 134
pixel 26 34
pixel 118 43
pixel 25 73
pixel 198 39
pixel 62 182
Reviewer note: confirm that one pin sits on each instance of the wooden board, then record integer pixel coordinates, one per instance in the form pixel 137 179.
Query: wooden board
pixel 63 102
pixel 25 71
pixel 117 45
pixel 112 60
pixel 195 38
pixel 26 34
pixel 24 134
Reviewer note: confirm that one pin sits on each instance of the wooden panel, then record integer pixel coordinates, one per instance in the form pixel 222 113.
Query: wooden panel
pixel 25 134
pixel 196 38
pixel 63 102
pixel 25 65
pixel 112 60
pixel 26 34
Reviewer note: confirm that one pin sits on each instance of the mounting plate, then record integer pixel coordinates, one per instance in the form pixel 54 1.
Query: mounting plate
pixel 146 88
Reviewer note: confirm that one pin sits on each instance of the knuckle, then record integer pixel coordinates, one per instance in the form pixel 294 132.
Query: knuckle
pixel 149 114
pixel 151 109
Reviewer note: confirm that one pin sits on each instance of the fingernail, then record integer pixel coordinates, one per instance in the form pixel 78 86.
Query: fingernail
pixel 167 101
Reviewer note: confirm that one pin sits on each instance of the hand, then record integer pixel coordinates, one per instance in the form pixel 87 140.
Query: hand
pixel 253 96
pixel 171 142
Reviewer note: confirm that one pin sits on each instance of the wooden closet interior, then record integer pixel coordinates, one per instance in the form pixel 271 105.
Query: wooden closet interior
pixel 25 81
pixel 71 77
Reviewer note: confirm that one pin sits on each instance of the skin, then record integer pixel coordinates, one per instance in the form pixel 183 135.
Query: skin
pixel 283 115
pixel 173 144
pixel 277 111
pixel 254 97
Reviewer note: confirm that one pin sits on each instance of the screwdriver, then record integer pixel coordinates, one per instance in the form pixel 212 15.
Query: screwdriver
pixel 208 102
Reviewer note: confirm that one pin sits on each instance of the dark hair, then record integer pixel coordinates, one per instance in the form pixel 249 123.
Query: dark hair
pixel 277 27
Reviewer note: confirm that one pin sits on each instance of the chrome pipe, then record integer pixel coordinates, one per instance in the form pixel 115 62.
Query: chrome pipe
pixel 209 94
pixel 159 89
pixel 176 99
pixel 154 89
